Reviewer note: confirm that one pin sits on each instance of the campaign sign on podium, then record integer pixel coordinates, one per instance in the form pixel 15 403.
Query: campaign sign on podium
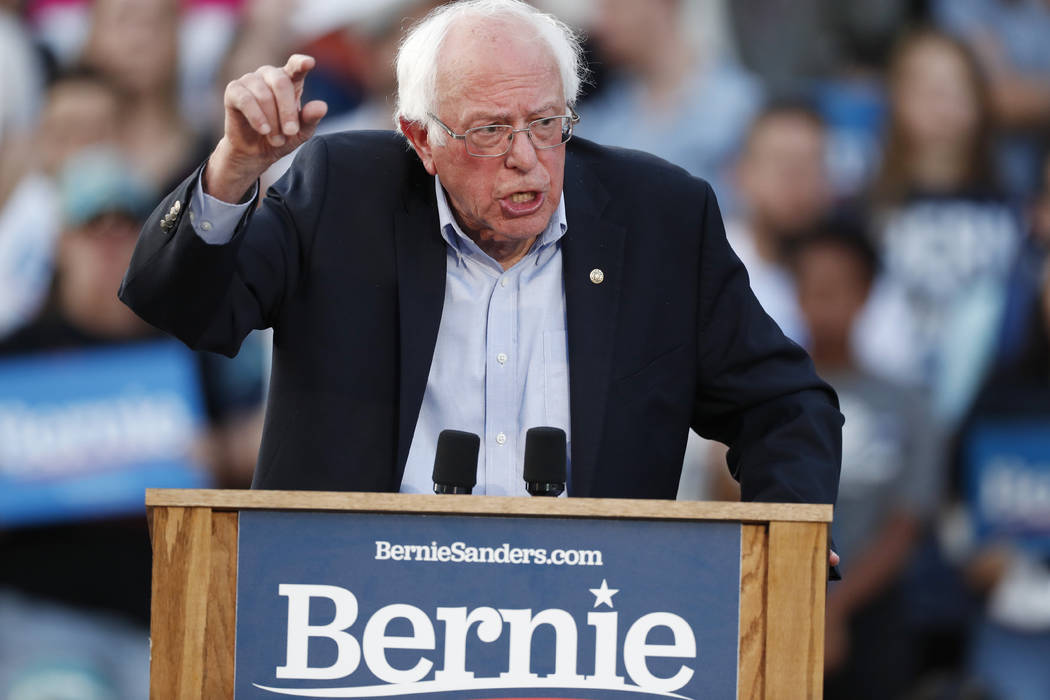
pixel 364 605
pixel 271 594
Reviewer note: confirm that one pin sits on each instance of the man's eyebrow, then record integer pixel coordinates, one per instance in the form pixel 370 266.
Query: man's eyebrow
pixel 488 118
pixel 550 106
pixel 506 118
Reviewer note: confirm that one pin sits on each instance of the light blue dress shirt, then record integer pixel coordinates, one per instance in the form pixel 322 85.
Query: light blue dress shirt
pixel 500 363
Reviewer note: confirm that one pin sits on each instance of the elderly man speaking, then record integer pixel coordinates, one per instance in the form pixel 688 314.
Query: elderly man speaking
pixel 482 271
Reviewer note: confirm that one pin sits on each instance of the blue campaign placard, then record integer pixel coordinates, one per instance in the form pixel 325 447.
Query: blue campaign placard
pixel 1007 468
pixel 83 433
pixel 359 605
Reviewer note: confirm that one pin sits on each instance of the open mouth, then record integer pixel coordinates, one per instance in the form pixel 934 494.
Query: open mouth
pixel 522 203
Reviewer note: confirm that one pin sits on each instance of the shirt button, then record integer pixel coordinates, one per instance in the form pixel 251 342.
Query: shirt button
pixel 501 438
pixel 501 358
pixel 503 282
pixel 205 226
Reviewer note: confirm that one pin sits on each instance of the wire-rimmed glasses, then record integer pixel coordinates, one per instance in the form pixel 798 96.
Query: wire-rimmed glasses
pixel 494 140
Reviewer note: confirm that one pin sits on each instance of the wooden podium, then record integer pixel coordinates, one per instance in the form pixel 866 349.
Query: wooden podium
pixel 782 582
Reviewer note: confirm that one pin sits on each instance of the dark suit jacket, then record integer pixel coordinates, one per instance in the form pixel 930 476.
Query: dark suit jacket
pixel 346 262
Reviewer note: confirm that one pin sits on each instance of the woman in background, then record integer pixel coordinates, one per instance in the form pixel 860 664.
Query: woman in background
pixel 134 43
pixel 945 233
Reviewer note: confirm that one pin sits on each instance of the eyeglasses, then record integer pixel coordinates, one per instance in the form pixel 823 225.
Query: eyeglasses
pixel 494 140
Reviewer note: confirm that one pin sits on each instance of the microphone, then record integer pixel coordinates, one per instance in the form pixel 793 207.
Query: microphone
pixel 545 461
pixel 456 462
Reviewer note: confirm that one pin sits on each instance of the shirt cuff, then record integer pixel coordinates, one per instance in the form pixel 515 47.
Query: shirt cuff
pixel 214 220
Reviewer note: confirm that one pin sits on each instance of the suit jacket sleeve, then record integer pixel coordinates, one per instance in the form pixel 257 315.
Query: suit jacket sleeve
pixel 212 296
pixel 757 390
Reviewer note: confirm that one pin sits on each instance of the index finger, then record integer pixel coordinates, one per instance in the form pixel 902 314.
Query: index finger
pixel 298 65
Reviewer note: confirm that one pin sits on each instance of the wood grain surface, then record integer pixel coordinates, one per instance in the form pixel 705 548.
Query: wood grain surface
pixel 796 582
pixel 182 563
pixel 751 668
pixel 220 643
pixel 232 499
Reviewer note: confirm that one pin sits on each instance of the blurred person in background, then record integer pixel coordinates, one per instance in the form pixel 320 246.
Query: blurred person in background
pixel 891 475
pixel 818 40
pixel 60 27
pixel 87 582
pixel 946 234
pixel 206 31
pixel 836 52
pixel 1003 470
pixel 21 94
pixel 21 87
pixel 1025 279
pixel 784 192
pixel 1010 39
pixel 666 94
pixel 74 585
pixel 134 44
pixel 81 109
pixel 379 32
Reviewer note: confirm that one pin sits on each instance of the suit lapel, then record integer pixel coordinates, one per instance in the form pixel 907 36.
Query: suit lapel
pixel 421 294
pixel 591 243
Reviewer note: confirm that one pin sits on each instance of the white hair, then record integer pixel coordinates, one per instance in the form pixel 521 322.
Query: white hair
pixel 417 64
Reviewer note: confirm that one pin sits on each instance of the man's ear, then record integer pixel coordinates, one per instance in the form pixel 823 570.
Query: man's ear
pixel 419 138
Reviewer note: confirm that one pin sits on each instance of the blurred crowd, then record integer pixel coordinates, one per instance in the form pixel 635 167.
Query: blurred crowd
pixel 882 167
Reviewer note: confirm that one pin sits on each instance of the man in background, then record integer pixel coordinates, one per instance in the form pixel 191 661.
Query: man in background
pixel 784 193
pixel 891 475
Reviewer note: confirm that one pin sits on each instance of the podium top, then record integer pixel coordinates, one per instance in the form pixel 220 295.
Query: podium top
pixel 616 508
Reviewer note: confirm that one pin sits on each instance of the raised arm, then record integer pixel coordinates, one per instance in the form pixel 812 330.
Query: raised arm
pixel 199 271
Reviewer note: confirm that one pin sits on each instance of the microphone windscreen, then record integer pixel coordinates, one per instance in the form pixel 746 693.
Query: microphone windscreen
pixel 545 455
pixel 456 459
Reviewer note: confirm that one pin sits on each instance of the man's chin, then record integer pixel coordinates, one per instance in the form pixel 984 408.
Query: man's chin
pixel 522 228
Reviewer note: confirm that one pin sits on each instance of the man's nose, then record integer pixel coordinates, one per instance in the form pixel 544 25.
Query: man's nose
pixel 522 154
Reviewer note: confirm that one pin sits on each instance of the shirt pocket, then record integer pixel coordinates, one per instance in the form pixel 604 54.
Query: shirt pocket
pixel 556 379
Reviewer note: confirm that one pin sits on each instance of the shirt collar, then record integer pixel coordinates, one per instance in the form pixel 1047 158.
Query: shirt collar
pixel 461 244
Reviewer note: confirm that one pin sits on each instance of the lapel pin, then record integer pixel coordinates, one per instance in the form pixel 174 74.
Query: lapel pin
pixel 597 276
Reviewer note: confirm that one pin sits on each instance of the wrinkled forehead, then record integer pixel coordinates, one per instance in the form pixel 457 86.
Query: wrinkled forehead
pixel 493 60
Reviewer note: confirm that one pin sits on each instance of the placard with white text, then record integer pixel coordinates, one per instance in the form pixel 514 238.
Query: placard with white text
pixel 358 605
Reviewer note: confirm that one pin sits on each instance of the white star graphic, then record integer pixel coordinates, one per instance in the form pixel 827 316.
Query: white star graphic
pixel 604 594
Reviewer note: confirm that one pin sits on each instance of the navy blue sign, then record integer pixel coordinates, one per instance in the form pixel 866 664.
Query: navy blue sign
pixel 1008 481
pixel 84 433
pixel 355 605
